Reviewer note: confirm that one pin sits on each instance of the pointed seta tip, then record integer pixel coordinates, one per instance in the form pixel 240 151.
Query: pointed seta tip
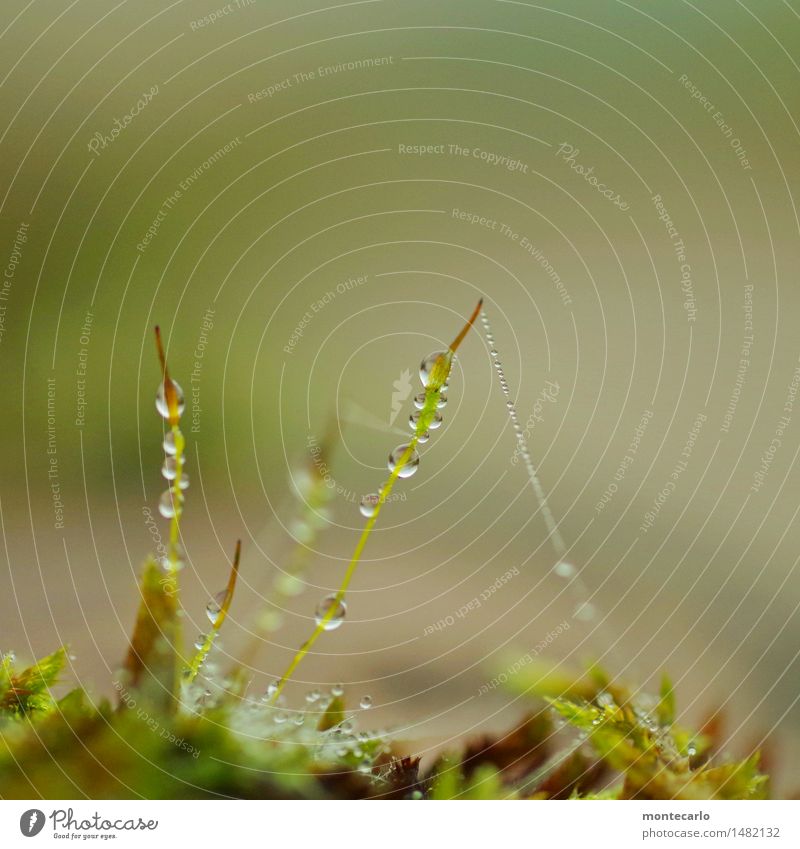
pixel 465 329
pixel 160 347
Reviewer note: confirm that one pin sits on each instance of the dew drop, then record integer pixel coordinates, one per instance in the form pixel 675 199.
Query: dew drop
pixel 419 400
pixel 214 607
pixel 337 690
pixel 183 483
pixel 564 569
pixel 369 504
pixel 436 421
pixel 169 469
pixel 366 702
pixel 288 584
pixel 167 503
pixel 272 688
pixel 411 464
pixel 280 718
pixel 340 609
pixel 428 364
pixel 313 696
pixel 442 402
pixel 299 719
pixel 423 437
pixel 169 444
pixel 200 641
pixel 161 401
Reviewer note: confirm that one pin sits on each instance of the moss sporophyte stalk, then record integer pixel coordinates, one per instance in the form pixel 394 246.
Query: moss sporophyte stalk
pixel 403 463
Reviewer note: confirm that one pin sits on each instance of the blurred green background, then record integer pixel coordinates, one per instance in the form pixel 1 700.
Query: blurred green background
pixel 274 162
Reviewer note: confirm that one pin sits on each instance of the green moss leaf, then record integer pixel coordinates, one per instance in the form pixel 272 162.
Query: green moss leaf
pixel 152 663
pixel 27 692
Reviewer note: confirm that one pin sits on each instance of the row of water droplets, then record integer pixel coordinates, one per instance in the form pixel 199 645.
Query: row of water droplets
pixel 170 504
pixel 368 505
pixel 584 609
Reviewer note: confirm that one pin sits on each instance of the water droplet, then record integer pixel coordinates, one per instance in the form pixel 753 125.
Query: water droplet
pixel 365 767
pixel 299 719
pixel 169 444
pixel 214 607
pixel 161 401
pixel 169 469
pixel 436 421
pixel 419 400
pixel 168 502
pixel 183 483
pixel 428 364
pixel 301 531
pixel 423 437
pixel 280 718
pixel 313 696
pixel 272 688
pixel 325 702
pixel 346 726
pixel 366 702
pixel 442 402
pixel 369 504
pixel 200 641
pixel 340 610
pixel 411 464
pixel 337 690
pixel 494 353
pixel 564 569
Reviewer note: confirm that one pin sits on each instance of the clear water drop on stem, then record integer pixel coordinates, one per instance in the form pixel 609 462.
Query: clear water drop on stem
pixel 184 481
pixel 366 702
pixel 442 400
pixel 411 465
pixel 436 421
pixel 336 618
pixel 419 400
pixel 337 690
pixel 564 569
pixel 422 438
pixel 161 400
pixel 200 641
pixel 169 469
pixel 369 504
pixel 168 503
pixel 214 607
pixel 169 444
pixel 428 364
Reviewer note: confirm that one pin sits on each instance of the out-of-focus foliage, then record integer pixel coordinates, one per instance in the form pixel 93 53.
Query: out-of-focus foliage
pixel 169 737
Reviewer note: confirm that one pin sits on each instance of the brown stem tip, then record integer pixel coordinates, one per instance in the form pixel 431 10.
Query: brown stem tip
pixel 465 329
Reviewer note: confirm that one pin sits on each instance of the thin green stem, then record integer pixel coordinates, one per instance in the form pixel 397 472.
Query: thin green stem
pixel 440 371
